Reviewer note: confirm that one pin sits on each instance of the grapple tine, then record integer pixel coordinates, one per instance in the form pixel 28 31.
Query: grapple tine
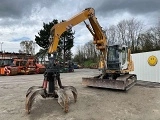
pixel 75 96
pixel 31 97
pixel 66 104
pixel 32 89
pixel 63 99
pixel 74 91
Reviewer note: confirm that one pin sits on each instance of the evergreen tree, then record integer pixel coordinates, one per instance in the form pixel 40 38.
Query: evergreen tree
pixel 65 42
pixel 43 35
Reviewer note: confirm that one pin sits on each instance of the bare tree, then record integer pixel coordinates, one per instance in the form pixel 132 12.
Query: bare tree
pixel 80 54
pixel 122 32
pixel 90 51
pixel 28 47
pixel 150 39
pixel 125 32
pixel 146 42
pixel 156 33
pixel 134 28
pixel 111 35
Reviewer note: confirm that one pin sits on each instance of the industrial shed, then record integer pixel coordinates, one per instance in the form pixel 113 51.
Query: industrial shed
pixel 147 66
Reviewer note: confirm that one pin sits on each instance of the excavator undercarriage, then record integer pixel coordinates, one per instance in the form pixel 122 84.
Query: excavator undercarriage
pixel 123 82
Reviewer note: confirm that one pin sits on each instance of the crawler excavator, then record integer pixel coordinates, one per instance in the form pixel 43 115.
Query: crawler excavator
pixel 115 61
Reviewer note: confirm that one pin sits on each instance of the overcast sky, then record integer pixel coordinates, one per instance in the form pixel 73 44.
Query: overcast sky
pixel 22 19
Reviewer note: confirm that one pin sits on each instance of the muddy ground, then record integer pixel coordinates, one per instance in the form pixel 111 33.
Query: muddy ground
pixel 139 103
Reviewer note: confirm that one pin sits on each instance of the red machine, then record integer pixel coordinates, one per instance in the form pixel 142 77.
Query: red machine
pixel 6 68
pixel 40 68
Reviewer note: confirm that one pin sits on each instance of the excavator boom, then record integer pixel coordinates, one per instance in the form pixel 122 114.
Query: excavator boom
pixel 99 37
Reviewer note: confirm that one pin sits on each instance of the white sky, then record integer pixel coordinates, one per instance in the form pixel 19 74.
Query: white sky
pixel 22 19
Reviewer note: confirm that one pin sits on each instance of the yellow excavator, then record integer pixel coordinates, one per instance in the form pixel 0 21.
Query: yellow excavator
pixel 115 61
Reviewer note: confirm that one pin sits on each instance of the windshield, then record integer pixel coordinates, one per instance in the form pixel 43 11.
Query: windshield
pixel 113 53
pixel 5 62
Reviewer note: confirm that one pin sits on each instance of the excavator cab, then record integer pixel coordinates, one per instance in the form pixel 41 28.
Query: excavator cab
pixel 117 57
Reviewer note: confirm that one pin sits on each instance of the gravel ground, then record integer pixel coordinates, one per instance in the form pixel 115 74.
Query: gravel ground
pixel 139 103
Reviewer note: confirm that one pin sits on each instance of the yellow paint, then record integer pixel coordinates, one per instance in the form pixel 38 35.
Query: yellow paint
pixel 152 60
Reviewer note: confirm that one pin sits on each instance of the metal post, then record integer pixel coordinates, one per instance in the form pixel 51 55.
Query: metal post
pixel 1 53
